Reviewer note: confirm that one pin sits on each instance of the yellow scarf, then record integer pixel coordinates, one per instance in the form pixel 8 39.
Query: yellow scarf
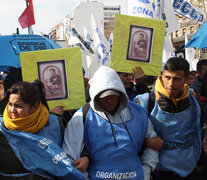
pixel 31 123
pixel 159 87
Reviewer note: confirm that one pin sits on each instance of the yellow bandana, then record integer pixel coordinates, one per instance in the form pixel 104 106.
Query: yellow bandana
pixel 31 123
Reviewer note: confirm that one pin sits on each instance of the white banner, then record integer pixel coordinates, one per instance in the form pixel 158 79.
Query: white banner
pixel 184 8
pixel 164 11
pixel 101 44
pixel 141 8
pixel 190 55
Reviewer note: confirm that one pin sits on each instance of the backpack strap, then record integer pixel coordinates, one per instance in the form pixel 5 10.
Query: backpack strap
pixel 85 109
pixel 151 102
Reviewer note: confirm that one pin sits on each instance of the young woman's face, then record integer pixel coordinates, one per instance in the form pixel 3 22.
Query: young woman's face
pixel 17 108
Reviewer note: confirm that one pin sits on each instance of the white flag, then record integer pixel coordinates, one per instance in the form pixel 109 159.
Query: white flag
pixel 75 40
pixel 111 40
pixel 164 11
pixel 190 55
pixel 101 44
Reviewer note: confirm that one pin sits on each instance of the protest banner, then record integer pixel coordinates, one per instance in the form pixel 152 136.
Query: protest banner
pixel 138 41
pixel 184 8
pixel 61 72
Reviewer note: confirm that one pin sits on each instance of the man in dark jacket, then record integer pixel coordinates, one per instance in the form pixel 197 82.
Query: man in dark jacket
pixel 200 88
pixel 201 71
pixel 135 87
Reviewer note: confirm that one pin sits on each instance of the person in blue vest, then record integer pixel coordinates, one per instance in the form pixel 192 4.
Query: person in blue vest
pixel 113 132
pixel 176 119
pixel 31 138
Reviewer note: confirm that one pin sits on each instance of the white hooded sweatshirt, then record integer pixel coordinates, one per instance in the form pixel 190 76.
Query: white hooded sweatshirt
pixel 105 78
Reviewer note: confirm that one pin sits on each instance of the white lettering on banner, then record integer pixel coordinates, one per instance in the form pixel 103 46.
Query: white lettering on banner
pixel 61 157
pixel 110 175
pixel 44 143
pixel 186 9
pixel 66 161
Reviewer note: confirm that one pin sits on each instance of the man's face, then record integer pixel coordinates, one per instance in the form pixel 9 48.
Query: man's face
pixel 126 79
pixel 52 72
pixel 203 72
pixel 141 37
pixel 173 82
pixel 109 103
pixel 190 79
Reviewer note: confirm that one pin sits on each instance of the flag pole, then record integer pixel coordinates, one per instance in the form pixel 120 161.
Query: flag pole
pixel 30 31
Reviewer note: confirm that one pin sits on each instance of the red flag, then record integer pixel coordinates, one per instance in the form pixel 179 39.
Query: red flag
pixel 27 17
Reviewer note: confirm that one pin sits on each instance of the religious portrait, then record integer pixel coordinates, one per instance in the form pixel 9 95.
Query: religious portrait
pixel 140 44
pixel 53 76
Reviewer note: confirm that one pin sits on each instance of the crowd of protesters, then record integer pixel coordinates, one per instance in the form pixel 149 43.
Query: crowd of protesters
pixel 133 126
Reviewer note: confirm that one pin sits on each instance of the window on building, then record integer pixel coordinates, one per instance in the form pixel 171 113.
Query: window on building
pixel 204 50
pixel 184 31
pixel 192 29
pixel 176 33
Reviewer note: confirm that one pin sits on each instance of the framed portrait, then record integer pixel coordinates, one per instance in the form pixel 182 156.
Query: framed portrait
pixel 53 75
pixel 137 41
pixel 61 72
pixel 140 43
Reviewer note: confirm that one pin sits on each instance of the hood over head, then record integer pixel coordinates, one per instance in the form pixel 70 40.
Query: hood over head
pixel 104 79
pixel 109 93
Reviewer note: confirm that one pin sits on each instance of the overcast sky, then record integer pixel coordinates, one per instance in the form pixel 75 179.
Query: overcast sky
pixel 48 13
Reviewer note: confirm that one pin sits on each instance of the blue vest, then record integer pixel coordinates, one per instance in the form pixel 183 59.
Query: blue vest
pixel 181 133
pixel 109 161
pixel 40 153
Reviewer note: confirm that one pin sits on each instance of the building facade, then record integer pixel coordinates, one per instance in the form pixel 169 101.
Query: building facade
pixel 109 18
pixel 80 15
